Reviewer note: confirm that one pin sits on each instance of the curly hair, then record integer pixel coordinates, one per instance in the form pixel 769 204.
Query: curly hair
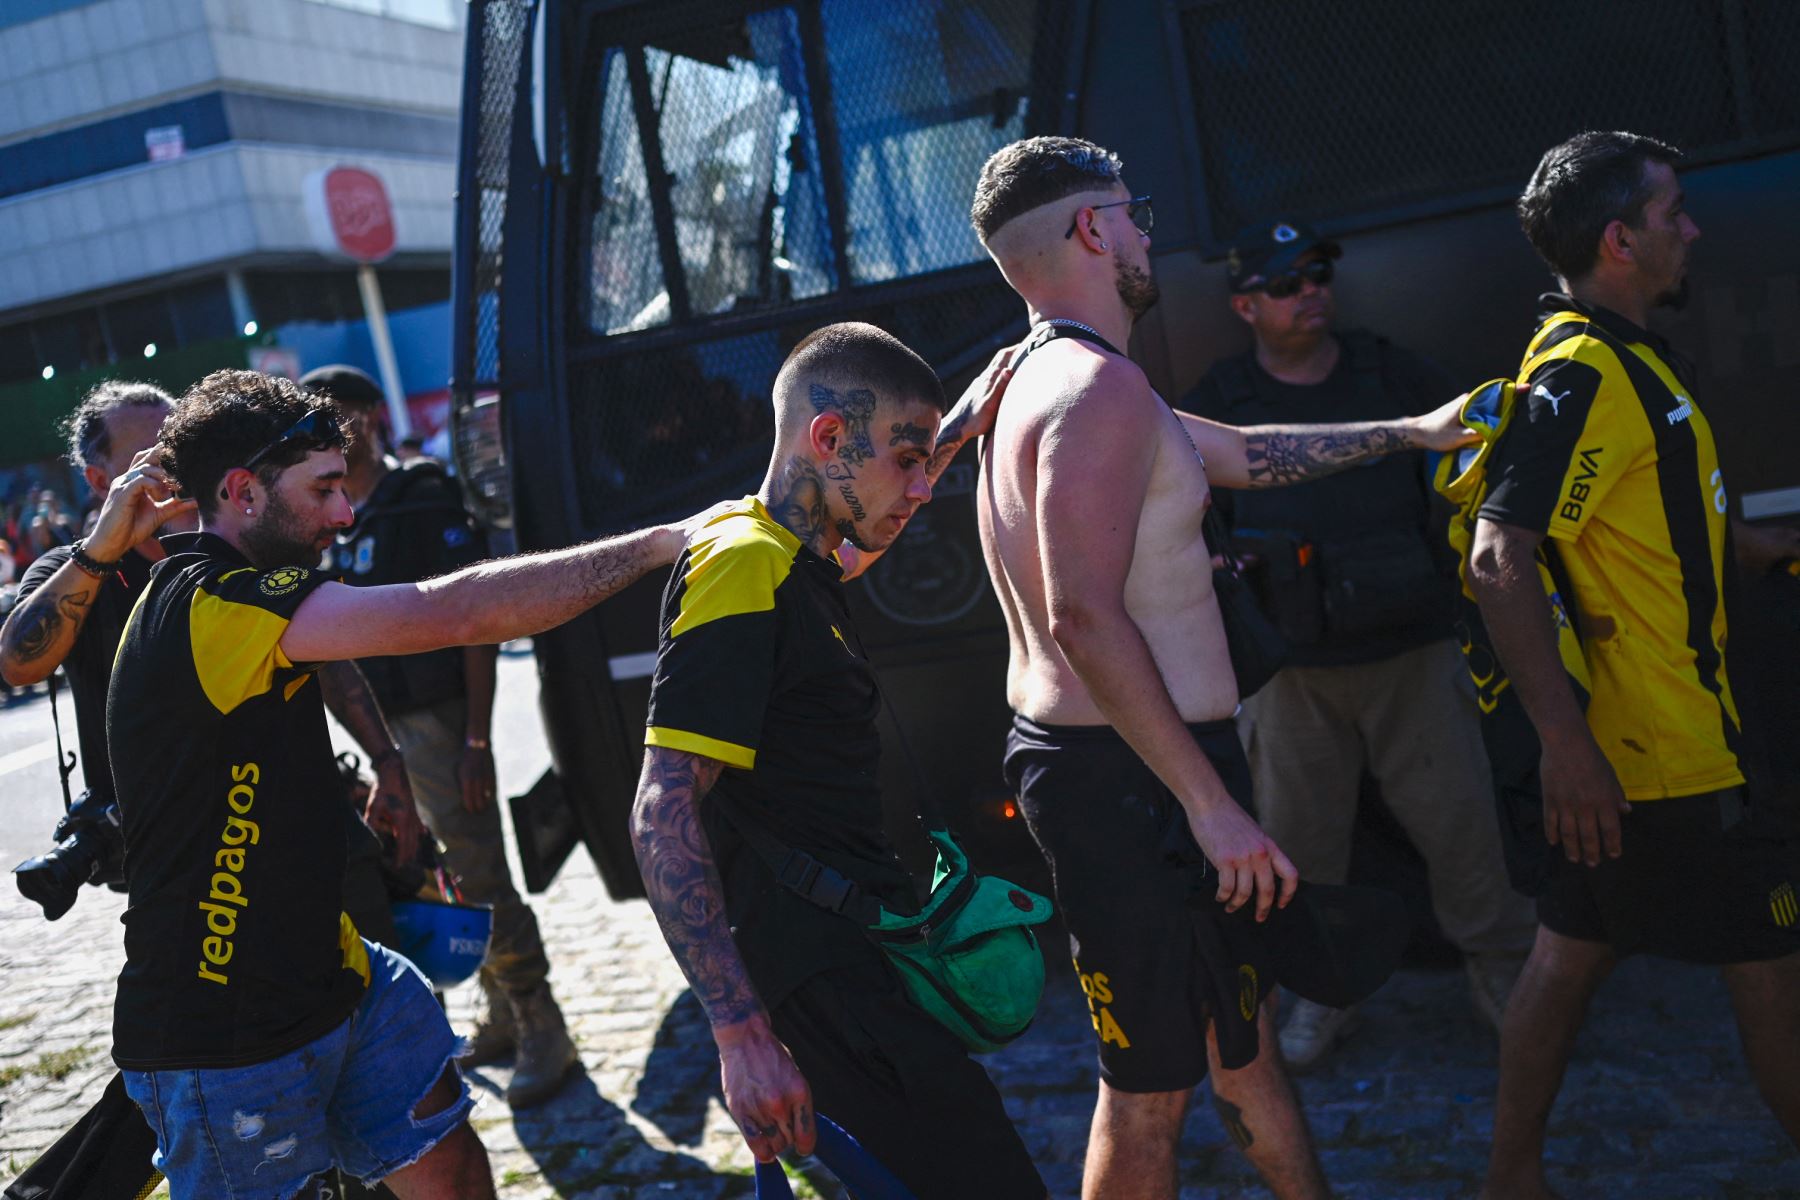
pixel 1034 172
pixel 222 421
pixel 1582 186
pixel 89 438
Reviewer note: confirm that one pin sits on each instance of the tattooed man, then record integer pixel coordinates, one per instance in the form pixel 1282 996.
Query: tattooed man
pixel 1123 750
pixel 763 706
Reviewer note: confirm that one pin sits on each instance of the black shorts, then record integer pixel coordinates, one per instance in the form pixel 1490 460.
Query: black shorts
pixel 1694 884
pixel 1152 962
pixel 903 1086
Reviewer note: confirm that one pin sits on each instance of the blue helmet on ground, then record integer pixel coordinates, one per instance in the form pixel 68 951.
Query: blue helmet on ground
pixel 445 941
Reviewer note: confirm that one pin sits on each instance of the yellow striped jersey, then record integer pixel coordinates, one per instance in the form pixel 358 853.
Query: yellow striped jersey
pixel 1611 457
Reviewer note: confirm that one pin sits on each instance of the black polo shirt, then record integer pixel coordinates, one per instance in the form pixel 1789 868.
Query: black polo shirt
pixel 90 660
pixel 412 527
pixel 760 667
pixel 236 949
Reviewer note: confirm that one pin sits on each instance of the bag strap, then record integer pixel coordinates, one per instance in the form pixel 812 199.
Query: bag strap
pixel 799 872
pixel 65 762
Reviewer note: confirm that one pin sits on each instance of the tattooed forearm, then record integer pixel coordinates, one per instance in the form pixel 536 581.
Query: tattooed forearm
pixel 348 697
pixel 798 500
pixel 41 631
pixel 1282 454
pixel 683 884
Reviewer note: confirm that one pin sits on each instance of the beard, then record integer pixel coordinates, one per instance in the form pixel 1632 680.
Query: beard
pixel 1137 288
pixel 281 539
pixel 1675 297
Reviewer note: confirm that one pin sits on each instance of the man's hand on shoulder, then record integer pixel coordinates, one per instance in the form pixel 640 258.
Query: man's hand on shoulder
pixel 1442 428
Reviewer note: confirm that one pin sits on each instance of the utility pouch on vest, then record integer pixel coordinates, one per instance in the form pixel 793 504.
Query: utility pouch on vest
pixel 1285 577
pixel 1380 582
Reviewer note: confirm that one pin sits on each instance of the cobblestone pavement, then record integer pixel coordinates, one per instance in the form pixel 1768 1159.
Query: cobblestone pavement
pixel 1657 1103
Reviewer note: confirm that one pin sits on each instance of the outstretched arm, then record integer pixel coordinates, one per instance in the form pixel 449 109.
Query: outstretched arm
pixel 1262 456
pixel 488 603
pixel 390 806
pixel 764 1090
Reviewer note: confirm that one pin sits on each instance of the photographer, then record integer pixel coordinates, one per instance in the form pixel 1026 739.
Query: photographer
pixel 71 611
pixel 72 606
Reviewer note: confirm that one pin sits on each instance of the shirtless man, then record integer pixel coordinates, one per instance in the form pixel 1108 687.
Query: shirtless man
pixel 1123 751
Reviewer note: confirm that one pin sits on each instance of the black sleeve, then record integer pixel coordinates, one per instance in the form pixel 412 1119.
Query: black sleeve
pixel 1533 465
pixel 43 567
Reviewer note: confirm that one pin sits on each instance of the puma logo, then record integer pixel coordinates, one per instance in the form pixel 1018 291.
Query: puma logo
pixel 1553 398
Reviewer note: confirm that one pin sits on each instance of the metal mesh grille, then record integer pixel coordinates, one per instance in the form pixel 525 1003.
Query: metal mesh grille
pixel 502 29
pixel 665 430
pixel 923 93
pixel 497 29
pixel 1431 100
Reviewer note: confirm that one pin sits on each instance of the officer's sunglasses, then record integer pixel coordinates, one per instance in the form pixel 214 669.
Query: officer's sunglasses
pixel 1319 271
pixel 317 429
pixel 1138 209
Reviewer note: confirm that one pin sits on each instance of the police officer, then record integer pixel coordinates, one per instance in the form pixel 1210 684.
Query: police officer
pixel 1374 682
pixel 411 525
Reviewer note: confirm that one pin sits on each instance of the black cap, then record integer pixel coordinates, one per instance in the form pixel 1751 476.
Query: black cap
pixel 1264 251
pixel 349 386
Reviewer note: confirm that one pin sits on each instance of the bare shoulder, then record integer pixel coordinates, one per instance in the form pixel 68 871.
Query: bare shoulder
pixel 1073 383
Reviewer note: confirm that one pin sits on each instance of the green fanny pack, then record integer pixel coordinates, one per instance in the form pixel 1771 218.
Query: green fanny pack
pixel 968 957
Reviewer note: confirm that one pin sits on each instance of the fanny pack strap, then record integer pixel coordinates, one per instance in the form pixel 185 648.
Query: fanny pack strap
pixel 817 882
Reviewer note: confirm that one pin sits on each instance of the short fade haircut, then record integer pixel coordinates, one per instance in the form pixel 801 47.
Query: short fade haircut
pixel 1035 172
pixel 1581 187
pixel 86 430
pixel 222 421
pixel 351 387
pixel 853 354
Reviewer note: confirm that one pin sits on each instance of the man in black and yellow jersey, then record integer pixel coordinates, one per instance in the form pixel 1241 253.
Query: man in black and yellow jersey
pixel 763 705
pixel 1610 471
pixel 265 1040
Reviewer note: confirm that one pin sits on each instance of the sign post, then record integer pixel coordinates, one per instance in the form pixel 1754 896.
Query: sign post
pixel 351 217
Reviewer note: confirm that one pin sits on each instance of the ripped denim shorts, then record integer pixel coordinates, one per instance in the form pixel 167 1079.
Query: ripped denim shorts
pixel 263 1132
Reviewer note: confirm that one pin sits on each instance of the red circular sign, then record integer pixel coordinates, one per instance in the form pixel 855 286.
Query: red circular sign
pixel 362 219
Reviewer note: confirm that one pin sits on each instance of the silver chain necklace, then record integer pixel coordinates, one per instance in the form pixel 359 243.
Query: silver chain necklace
pixel 1073 324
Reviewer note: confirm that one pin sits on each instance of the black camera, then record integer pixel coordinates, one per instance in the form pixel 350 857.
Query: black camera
pixel 90 848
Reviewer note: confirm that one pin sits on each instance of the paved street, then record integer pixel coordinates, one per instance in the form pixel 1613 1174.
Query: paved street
pixel 1657 1105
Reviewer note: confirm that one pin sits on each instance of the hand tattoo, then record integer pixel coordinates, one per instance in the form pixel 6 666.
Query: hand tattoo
pixel 1282 454
pixel 857 408
pixel 683 884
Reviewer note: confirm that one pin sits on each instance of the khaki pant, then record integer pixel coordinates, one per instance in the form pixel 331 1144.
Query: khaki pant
pixel 1410 721
pixel 470 845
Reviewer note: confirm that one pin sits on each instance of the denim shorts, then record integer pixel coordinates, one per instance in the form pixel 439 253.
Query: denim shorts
pixel 346 1100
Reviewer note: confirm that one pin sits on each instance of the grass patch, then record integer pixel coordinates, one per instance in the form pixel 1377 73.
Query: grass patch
pixel 513 1175
pixel 58 1064
pixel 11 1075
pixel 17 1019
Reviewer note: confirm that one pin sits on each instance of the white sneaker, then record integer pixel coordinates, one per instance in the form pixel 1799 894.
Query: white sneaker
pixel 1311 1031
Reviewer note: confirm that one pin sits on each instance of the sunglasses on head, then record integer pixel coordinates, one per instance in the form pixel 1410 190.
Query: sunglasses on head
pixel 1319 271
pixel 317 429
pixel 1138 210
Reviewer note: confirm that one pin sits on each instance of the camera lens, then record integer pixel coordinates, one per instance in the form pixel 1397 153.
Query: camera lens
pixel 53 880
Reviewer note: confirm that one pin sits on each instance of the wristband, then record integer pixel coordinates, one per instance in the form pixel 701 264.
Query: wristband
pixel 84 561
pixel 475 743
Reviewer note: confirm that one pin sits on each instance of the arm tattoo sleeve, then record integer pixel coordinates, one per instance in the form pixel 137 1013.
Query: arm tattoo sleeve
pixel 43 623
pixel 683 884
pixel 1282 454
pixel 348 697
